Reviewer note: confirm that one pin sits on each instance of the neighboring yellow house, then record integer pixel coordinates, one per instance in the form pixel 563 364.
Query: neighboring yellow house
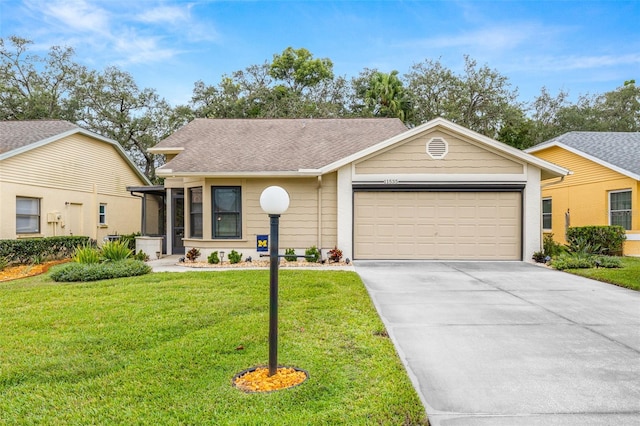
pixel 59 179
pixel 603 189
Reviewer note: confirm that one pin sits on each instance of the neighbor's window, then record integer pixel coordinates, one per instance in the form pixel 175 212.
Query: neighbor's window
pixel 226 206
pixel 102 214
pixel 620 209
pixel 27 215
pixel 546 213
pixel 195 212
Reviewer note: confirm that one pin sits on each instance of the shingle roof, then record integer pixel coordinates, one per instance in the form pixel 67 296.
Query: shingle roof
pixel 16 134
pixel 619 149
pixel 271 145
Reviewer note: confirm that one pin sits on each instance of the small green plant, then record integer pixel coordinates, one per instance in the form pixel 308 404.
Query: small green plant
pixel 290 255
pixel 141 256
pixel 539 257
pixel 86 254
pixel 312 254
pixel 550 247
pixel 335 254
pixel 213 258
pixel 235 257
pixel 113 251
pixel 193 254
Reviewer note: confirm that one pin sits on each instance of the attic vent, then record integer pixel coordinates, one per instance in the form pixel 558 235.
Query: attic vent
pixel 437 148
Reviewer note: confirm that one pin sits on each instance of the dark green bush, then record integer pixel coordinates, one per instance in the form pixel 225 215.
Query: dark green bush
pixel 312 254
pixel 596 239
pixel 290 255
pixel 72 272
pixel 130 239
pixel 234 256
pixel 213 258
pixel 26 250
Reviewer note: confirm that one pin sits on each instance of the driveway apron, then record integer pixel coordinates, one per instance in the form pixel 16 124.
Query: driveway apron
pixel 511 343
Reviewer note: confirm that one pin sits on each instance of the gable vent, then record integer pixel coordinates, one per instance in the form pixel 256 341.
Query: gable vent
pixel 437 148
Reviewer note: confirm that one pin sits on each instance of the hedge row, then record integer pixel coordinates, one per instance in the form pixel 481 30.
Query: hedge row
pixel 38 249
pixel 596 239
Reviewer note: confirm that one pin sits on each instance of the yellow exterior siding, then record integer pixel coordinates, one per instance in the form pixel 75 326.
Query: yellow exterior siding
pixel 299 227
pixel 463 157
pixel 585 195
pixel 71 177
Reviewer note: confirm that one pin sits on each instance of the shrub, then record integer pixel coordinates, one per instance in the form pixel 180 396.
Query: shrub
pixel 235 257
pixel 213 258
pixel 539 257
pixel 335 254
pixel 73 272
pixel 312 254
pixel 130 239
pixel 86 254
pixel 604 239
pixel 573 261
pixel 608 262
pixel 141 256
pixel 4 262
pixel 113 251
pixel 25 250
pixel 550 247
pixel 193 254
pixel 290 255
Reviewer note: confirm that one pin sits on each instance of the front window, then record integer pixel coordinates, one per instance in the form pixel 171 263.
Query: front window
pixel 195 212
pixel 620 209
pixel 226 206
pixel 102 214
pixel 27 215
pixel 546 213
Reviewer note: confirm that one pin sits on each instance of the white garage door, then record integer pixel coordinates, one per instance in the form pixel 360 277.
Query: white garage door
pixel 437 225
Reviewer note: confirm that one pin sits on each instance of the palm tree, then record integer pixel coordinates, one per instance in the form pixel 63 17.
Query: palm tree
pixel 386 96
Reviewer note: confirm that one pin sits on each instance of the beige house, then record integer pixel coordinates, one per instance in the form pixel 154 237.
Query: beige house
pixel 59 179
pixel 368 186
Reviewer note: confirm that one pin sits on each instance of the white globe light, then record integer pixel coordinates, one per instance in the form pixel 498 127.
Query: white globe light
pixel 274 200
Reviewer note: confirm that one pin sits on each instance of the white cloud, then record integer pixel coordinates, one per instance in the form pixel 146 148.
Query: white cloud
pixel 166 14
pixel 76 15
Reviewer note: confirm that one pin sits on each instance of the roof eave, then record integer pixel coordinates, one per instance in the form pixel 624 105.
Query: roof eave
pixel 583 154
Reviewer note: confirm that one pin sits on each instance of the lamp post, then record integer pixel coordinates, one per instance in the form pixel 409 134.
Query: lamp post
pixel 274 200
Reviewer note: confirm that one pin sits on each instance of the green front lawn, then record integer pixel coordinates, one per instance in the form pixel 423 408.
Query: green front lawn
pixel 628 276
pixel 163 349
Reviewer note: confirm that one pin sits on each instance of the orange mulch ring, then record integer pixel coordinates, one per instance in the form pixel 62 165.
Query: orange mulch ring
pixel 258 379
pixel 23 271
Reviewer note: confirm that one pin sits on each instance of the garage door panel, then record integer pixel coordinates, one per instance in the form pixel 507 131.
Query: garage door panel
pixel 437 225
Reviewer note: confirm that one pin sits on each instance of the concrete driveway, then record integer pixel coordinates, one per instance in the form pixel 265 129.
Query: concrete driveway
pixel 510 343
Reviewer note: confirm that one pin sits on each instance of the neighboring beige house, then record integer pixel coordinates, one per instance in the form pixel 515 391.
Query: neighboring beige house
pixel 59 179
pixel 368 186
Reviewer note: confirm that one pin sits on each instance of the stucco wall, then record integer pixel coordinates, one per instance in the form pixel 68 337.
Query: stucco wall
pixel 71 177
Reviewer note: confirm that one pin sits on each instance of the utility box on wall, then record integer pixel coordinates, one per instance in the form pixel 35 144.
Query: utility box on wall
pixel 54 217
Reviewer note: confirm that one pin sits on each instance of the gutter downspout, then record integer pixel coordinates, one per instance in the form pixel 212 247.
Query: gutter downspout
pixel 555 183
pixel 319 214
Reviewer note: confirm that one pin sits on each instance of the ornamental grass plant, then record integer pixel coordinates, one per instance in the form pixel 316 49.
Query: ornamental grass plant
pixel 163 349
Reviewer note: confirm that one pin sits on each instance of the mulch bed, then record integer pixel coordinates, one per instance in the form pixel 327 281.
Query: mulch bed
pixel 258 379
pixel 261 264
pixel 23 271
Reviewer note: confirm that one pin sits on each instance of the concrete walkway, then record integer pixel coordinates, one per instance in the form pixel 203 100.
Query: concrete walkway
pixel 510 343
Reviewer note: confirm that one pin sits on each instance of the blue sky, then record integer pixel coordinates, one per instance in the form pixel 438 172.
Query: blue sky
pixel 577 46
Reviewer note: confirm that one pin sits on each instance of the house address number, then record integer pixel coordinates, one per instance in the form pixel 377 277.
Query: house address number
pixel 391 181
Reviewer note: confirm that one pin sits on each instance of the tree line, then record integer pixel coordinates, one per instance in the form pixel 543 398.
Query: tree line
pixel 295 84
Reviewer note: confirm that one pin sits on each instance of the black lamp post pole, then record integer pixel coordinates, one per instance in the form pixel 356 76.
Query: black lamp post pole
pixel 273 295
